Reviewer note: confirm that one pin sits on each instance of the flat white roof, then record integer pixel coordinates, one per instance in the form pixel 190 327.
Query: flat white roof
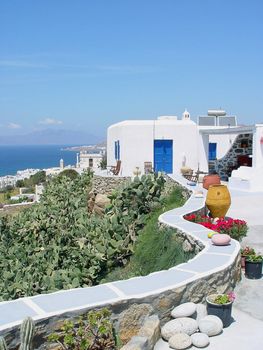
pixel 153 122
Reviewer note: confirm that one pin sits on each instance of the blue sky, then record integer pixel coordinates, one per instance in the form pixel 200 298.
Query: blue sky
pixel 86 64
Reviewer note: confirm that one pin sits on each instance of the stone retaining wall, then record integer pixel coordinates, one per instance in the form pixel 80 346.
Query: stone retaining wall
pixel 224 165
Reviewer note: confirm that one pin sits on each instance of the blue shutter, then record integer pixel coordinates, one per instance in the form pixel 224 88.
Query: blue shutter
pixel 212 151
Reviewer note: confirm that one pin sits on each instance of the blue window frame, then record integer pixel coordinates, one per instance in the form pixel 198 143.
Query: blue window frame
pixel 212 151
pixel 117 150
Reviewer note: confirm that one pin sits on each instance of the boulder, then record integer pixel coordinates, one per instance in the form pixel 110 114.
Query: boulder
pixel 184 310
pixel 102 200
pixel 200 340
pixel 180 341
pixel 137 343
pixel 211 325
pixel 179 325
pixel 221 239
pixel 131 320
pixel 151 330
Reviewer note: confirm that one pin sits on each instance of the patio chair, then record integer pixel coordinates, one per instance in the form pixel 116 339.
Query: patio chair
pixel 115 169
pixel 148 168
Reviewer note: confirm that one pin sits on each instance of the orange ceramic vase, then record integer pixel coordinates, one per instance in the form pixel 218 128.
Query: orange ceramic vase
pixel 211 180
pixel 218 200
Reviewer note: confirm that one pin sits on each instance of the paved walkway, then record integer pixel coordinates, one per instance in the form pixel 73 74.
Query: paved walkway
pixel 247 330
pixel 250 292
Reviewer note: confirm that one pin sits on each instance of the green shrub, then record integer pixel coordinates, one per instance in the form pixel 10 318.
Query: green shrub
pixel 57 244
pixel 95 332
pixel 157 248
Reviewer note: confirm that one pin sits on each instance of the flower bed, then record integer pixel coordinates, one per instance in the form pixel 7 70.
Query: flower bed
pixel 235 228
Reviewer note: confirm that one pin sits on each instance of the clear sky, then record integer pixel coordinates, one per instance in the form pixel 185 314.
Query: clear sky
pixel 85 64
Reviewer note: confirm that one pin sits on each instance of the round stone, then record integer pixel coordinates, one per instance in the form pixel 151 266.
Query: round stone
pixel 184 310
pixel 179 325
pixel 221 239
pixel 180 341
pixel 200 340
pixel 201 311
pixel 211 325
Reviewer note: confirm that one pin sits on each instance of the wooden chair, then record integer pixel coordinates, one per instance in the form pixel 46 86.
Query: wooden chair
pixel 148 168
pixel 115 169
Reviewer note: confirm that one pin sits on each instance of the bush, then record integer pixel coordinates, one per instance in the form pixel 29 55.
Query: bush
pixel 157 248
pixel 95 332
pixel 57 244
pixel 70 173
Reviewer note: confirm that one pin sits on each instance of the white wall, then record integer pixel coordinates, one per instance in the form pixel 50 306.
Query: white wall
pixel 257 160
pixel 224 143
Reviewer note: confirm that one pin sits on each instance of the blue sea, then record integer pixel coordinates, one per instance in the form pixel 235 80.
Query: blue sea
pixel 13 158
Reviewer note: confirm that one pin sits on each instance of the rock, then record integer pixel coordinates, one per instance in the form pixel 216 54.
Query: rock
pixel 201 311
pixel 180 341
pixel 211 325
pixel 221 239
pixel 132 319
pixel 184 310
pixel 179 325
pixel 102 200
pixel 200 340
pixel 151 330
pixel 137 343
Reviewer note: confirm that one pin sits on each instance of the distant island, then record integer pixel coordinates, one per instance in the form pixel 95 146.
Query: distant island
pixel 87 148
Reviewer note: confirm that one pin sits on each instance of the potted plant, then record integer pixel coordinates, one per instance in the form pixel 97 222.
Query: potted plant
pixel 253 266
pixel 220 305
pixel 245 252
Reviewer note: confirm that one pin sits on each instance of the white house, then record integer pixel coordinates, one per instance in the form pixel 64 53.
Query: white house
pixel 168 143
pixel 215 142
pixel 89 160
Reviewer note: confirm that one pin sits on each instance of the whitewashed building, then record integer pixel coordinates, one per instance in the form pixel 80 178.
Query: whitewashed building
pixel 168 143
pixel 215 142
pixel 89 160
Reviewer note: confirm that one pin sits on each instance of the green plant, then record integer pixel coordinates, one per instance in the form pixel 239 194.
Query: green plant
pixel 103 162
pixel 95 332
pixel 157 248
pixel 256 258
pixel 3 345
pixel 27 332
pixel 57 244
pixel 222 299
pixel 247 251
pixel 71 173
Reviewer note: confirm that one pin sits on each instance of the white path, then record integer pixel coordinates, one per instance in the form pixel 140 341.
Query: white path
pixel 247 330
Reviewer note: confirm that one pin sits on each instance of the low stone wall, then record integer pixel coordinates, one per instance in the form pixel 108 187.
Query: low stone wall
pixel 106 184
pixel 224 165
pixel 214 269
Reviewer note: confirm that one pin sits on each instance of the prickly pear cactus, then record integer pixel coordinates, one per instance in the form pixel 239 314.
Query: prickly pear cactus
pixel 3 345
pixel 27 332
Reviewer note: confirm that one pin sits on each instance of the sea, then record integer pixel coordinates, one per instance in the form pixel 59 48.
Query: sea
pixel 14 158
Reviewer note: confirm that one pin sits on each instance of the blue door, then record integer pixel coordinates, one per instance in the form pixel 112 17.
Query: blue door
pixel 163 156
pixel 212 151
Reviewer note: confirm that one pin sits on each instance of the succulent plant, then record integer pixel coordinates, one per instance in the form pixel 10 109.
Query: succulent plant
pixel 3 345
pixel 27 332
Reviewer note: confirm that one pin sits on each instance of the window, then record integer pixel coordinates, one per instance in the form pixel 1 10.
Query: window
pixel 117 150
pixel 212 151
pixel 90 162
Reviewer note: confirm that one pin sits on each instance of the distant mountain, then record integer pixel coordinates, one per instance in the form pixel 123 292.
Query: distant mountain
pixel 51 137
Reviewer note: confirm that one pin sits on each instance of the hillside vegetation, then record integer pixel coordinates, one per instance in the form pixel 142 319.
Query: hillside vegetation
pixel 57 244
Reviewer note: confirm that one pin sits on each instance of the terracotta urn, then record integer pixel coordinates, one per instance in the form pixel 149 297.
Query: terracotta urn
pixel 209 180
pixel 218 200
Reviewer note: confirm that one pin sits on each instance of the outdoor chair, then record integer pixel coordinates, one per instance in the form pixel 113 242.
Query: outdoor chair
pixel 115 169
pixel 148 168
